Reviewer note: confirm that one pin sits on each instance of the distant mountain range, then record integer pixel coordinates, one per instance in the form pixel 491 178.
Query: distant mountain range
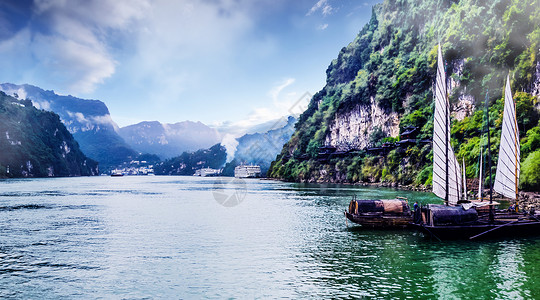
pixel 186 163
pixel 34 143
pixel 169 140
pixel 88 121
pixel 100 138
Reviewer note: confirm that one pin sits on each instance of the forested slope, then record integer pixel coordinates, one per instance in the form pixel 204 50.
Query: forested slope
pixel 381 83
pixel 35 143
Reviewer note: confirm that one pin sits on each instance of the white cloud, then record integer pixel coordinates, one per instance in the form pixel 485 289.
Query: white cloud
pixel 74 40
pixel 77 66
pixel 78 116
pixel 230 143
pixel 323 26
pixel 285 101
pixel 323 6
pixel 274 92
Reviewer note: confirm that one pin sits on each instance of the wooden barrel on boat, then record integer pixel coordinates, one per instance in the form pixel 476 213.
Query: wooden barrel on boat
pixel 393 206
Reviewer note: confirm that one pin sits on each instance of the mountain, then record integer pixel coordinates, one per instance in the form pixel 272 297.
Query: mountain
pixel 34 143
pixel 382 82
pixel 169 140
pixel 271 125
pixel 88 121
pixel 186 164
pixel 262 148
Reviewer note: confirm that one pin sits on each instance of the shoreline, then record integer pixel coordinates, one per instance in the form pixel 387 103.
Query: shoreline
pixel 526 200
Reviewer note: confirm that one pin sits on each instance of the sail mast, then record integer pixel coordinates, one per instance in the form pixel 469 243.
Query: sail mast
pixel 464 182
pixel 491 213
pixel 508 168
pixel 447 137
pixel 480 169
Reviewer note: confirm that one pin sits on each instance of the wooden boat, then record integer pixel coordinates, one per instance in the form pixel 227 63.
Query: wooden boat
pixel 393 213
pixel 458 223
pixel 462 221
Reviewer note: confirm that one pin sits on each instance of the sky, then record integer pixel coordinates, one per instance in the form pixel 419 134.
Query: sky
pixel 230 64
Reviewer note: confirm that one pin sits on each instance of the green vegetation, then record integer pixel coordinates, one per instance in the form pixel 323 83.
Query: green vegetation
pixel 115 153
pixel 34 143
pixel 187 162
pixel 530 176
pixel 392 63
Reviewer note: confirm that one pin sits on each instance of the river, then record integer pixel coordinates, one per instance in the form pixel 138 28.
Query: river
pixel 188 237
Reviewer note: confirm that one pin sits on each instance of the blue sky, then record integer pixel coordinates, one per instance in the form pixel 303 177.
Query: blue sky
pixel 226 63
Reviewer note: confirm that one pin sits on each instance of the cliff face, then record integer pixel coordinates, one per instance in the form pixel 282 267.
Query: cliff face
pixel 352 128
pixel 535 86
pixel 382 82
pixel 88 121
pixel 34 143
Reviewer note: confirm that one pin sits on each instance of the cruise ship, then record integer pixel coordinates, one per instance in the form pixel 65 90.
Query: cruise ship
pixel 245 171
pixel 204 172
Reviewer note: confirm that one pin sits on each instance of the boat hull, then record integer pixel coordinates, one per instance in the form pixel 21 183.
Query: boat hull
pixel 379 220
pixel 481 230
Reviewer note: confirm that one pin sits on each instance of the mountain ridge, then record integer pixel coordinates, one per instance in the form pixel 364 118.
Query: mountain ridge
pixel 35 143
pixel 89 121
pixel 382 83
pixel 169 140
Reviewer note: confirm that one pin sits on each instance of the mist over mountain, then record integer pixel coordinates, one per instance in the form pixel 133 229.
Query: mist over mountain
pixel 89 121
pixel 261 148
pixel 169 140
pixel 382 83
pixel 186 163
pixel 34 143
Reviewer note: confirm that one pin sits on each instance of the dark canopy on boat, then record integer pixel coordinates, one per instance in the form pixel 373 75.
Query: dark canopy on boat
pixel 451 215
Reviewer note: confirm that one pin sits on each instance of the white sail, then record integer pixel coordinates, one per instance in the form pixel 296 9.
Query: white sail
pixel 507 176
pixel 480 179
pixel 446 173
pixel 464 182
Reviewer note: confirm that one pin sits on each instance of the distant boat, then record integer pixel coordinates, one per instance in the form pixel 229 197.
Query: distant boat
pixel 462 221
pixel 394 213
pixel 206 172
pixel 247 171
pixel 116 173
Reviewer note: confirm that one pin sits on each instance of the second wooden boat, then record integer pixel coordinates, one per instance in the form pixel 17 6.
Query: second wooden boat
pixel 391 213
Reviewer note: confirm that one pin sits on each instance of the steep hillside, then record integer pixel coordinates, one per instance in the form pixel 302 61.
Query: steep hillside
pixel 88 120
pixel 261 148
pixel 186 164
pixel 382 83
pixel 34 143
pixel 169 140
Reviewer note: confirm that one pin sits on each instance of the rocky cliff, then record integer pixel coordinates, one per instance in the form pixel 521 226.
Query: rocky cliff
pixel 34 143
pixel 382 82
pixel 88 121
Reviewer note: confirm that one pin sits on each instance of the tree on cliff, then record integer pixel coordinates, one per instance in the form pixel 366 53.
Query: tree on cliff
pixel 34 143
pixel 390 66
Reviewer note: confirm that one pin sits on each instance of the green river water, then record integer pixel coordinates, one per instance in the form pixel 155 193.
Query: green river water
pixel 191 238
